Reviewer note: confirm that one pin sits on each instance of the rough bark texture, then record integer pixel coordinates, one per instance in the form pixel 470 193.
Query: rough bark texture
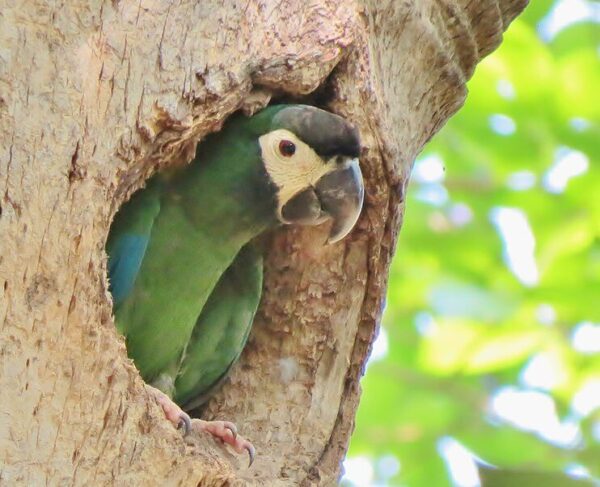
pixel 94 97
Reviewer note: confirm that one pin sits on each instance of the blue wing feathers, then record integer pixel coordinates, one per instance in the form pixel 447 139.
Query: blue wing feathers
pixel 124 264
pixel 128 240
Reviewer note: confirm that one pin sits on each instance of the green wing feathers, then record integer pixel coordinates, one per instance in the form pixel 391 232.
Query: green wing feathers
pixel 222 329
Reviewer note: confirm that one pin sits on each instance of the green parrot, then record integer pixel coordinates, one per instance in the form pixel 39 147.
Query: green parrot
pixel 184 274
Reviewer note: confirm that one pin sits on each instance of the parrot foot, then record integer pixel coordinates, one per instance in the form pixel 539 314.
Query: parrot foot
pixel 227 433
pixel 180 419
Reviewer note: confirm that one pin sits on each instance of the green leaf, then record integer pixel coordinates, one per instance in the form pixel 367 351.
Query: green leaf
pixel 491 477
pixel 459 323
pixel 500 350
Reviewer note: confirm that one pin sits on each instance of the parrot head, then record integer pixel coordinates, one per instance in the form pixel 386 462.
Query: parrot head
pixel 311 157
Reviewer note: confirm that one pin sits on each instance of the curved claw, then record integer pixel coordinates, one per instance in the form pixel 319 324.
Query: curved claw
pixel 173 412
pixel 185 424
pixel 251 453
pixel 226 432
pixel 231 427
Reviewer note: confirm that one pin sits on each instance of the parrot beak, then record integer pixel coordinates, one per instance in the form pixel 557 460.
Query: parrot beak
pixel 338 195
pixel 341 193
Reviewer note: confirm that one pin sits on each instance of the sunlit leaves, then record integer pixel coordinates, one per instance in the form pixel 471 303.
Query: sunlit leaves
pixel 464 330
pixel 511 478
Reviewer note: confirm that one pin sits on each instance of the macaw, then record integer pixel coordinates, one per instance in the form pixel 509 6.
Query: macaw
pixel 184 274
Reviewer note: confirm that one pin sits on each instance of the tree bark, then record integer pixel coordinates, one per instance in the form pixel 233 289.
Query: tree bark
pixel 96 96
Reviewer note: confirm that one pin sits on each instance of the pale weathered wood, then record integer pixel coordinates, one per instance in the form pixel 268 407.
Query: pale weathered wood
pixel 95 96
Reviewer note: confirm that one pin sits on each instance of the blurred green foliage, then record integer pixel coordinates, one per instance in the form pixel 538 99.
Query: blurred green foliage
pixel 468 337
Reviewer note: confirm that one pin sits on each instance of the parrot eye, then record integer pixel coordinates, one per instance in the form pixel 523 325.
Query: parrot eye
pixel 287 148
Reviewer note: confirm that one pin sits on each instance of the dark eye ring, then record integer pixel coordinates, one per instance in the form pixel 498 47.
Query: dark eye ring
pixel 287 148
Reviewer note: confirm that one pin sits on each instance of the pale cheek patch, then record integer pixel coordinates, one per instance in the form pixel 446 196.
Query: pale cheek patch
pixel 295 173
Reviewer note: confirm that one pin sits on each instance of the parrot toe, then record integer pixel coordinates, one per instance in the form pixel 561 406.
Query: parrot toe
pixel 226 431
pixel 173 412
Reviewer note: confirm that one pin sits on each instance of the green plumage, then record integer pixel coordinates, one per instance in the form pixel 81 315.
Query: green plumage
pixel 195 221
pixel 185 279
pixel 222 329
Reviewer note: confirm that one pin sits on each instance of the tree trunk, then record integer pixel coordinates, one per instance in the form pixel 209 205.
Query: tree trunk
pixel 96 96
